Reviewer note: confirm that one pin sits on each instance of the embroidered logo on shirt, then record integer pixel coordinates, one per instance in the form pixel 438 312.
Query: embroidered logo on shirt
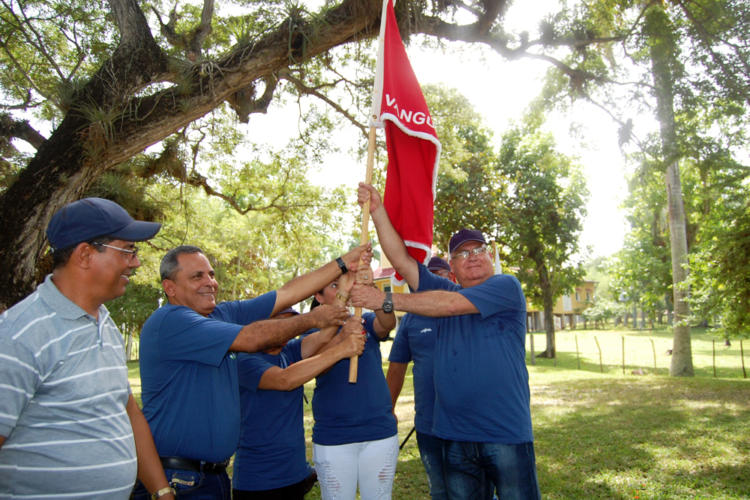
pixel 425 330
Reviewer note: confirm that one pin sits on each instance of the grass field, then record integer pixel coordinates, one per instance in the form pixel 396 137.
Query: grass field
pixel 619 436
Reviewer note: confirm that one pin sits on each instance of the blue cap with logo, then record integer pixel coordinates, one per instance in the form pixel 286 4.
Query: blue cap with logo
pixel 463 236
pixel 89 218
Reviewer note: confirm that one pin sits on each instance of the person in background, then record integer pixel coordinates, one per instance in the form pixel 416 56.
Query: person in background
pixel 415 341
pixel 482 398
pixel 188 358
pixel 69 425
pixel 355 440
pixel 271 463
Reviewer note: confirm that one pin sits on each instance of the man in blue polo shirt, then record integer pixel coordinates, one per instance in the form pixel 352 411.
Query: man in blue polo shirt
pixel 69 425
pixel 189 363
pixel 482 409
pixel 415 341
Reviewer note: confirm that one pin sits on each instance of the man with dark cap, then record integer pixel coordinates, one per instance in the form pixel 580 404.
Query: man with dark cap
pixel 482 412
pixel 69 425
pixel 415 341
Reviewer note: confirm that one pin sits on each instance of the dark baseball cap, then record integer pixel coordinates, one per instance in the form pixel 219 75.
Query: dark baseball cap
pixel 463 236
pixel 288 310
pixel 89 218
pixel 438 263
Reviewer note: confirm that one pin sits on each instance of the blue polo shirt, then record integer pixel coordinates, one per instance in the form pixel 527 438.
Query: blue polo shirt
pixel 272 453
pixel 481 381
pixel 351 413
pixel 189 379
pixel 415 341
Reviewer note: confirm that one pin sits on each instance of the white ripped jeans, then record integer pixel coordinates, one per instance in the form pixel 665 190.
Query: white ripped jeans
pixel 371 464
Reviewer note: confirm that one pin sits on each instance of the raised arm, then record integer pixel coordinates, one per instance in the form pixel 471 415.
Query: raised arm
pixel 306 285
pixel 389 239
pixel 434 303
pixel 384 322
pixel 296 374
pixel 265 334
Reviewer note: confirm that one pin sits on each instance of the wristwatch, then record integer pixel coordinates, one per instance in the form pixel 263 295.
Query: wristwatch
pixel 388 303
pixel 342 265
pixel 163 492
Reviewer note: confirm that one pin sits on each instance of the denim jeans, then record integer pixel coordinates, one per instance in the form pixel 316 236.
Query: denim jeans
pixel 192 485
pixel 431 453
pixel 475 470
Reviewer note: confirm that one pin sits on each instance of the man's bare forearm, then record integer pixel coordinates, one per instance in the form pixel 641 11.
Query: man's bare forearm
pixel 265 334
pixel 434 303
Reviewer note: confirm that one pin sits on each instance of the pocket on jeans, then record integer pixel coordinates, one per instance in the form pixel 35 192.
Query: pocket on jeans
pixel 184 480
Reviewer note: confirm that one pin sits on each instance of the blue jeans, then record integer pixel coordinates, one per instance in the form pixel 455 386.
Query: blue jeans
pixel 474 470
pixel 192 485
pixel 431 453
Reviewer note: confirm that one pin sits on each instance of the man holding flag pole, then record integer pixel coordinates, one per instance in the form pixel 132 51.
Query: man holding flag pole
pixel 482 412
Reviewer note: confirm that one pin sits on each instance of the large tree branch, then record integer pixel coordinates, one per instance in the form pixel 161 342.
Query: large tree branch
pixel 20 129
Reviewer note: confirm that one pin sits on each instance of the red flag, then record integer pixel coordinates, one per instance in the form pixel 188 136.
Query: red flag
pixel 411 139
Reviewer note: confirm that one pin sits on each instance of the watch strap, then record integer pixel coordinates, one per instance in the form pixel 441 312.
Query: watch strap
pixel 342 265
pixel 163 492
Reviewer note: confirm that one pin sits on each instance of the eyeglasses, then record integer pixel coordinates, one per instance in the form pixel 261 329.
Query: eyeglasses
pixel 131 253
pixel 465 254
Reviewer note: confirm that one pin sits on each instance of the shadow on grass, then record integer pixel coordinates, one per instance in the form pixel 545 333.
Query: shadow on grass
pixel 643 438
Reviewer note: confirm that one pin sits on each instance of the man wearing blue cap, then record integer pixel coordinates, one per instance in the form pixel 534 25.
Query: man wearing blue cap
pixel 415 341
pixel 69 426
pixel 481 411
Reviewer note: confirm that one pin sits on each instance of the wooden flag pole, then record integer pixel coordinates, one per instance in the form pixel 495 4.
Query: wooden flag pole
pixel 364 237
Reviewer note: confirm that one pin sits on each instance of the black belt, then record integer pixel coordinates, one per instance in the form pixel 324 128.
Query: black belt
pixel 194 465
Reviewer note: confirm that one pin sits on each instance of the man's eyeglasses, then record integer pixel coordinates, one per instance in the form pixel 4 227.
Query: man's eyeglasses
pixel 465 254
pixel 130 253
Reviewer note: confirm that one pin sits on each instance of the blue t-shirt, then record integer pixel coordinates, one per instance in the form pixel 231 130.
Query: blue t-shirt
pixel 481 381
pixel 189 377
pixel 352 413
pixel 415 340
pixel 272 437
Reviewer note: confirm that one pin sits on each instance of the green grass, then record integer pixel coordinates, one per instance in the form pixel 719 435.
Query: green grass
pixel 618 436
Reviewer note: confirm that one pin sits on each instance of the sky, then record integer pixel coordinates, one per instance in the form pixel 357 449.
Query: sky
pixel 500 91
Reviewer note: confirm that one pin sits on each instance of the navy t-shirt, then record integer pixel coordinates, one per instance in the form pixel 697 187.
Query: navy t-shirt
pixel 352 413
pixel 272 438
pixel 415 341
pixel 189 378
pixel 481 380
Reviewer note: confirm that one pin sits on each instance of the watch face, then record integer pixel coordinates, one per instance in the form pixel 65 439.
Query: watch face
pixel 388 307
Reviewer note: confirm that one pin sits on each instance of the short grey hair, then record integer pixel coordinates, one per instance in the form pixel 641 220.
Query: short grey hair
pixel 169 264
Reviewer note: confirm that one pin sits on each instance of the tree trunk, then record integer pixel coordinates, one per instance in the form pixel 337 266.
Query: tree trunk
pixel 549 318
pixel 663 59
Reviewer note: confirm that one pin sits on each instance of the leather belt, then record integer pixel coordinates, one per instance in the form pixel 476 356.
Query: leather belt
pixel 194 465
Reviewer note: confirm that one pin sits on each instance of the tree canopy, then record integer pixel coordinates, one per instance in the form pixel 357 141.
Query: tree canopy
pixel 90 87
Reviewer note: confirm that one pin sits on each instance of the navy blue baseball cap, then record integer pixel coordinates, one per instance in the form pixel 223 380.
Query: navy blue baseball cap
pixel 288 310
pixel 89 218
pixel 463 236
pixel 438 263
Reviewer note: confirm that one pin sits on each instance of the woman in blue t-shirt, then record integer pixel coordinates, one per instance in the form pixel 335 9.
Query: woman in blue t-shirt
pixel 355 441
pixel 271 463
